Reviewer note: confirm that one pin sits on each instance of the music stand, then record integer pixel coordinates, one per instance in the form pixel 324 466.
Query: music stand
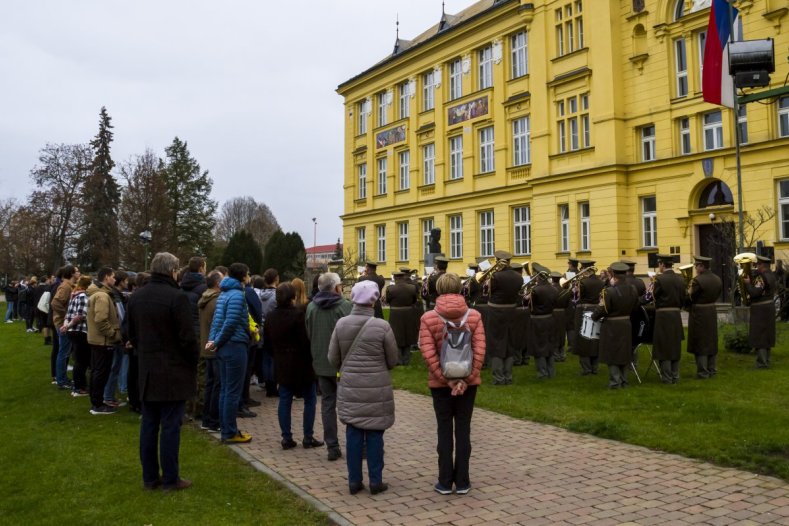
pixel 652 361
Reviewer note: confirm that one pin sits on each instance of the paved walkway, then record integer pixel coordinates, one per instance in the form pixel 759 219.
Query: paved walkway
pixel 521 473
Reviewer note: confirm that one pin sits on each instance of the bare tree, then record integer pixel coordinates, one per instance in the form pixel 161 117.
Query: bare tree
pixel 754 223
pixel 244 213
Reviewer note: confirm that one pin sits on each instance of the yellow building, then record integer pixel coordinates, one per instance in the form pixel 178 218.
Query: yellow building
pixel 560 127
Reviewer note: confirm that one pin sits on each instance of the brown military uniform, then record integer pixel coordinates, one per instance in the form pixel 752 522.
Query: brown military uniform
pixel 500 329
pixel 703 322
pixel 587 350
pixel 379 280
pixel 670 294
pixel 401 298
pixel 618 302
pixel 542 328
pixel 761 335
pixel 560 321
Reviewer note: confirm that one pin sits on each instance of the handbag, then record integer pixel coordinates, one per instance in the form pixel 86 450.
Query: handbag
pixel 43 303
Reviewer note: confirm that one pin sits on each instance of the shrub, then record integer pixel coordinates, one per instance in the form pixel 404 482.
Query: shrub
pixel 735 339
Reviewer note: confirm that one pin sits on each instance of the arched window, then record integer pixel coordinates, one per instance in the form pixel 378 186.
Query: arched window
pixel 717 193
pixel 679 10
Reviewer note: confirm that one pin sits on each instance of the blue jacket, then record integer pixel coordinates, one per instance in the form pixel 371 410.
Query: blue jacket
pixel 231 317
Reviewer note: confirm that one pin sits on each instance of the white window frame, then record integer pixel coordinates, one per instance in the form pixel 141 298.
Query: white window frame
pixel 685 143
pixel 362 179
pixel 487 162
pixel 427 225
pixel 381 235
pixel 485 70
pixel 456 236
pixel 783 208
pixel 649 221
pixel 681 67
pixel 713 131
pixel 783 116
pixel 363 111
pixel 742 123
pixel 648 152
pixel 521 141
pixel 404 168
pixel 429 163
pixel 361 242
pixel 564 228
pixel 382 166
pixel 456 157
pixel 519 44
pixel 521 227
pixel 586 128
pixel 455 79
pixel 381 100
pixel 405 95
pixel 428 90
pixel 585 226
pixel 701 38
pixel 402 245
pixel 487 234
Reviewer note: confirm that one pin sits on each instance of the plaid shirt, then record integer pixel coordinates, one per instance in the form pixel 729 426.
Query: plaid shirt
pixel 78 306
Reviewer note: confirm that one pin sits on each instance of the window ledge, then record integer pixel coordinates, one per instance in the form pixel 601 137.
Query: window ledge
pixel 570 54
pixel 646 250
pixel 583 252
pixel 485 174
pixel 379 196
pixel 359 200
pixel 588 149
pixel 451 181
pixel 562 254
pixel 403 190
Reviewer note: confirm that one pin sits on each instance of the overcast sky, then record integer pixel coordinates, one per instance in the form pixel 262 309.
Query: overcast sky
pixel 250 85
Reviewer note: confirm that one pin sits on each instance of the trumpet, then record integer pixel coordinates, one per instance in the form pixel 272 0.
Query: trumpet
pixel 484 276
pixel 585 273
pixel 533 282
pixel 744 260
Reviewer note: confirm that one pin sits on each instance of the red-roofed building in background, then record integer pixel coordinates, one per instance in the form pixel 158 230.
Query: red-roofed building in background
pixel 318 257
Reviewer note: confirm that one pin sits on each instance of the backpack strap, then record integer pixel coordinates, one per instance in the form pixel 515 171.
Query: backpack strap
pixel 460 324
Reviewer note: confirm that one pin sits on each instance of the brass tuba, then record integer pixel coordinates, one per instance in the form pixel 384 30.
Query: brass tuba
pixel 744 260
pixel 483 277
pixel 687 274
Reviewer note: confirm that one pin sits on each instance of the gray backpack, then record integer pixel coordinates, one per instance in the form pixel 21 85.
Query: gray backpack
pixel 456 356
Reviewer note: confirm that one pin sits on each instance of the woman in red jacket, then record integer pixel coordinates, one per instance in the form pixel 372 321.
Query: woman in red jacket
pixel 453 400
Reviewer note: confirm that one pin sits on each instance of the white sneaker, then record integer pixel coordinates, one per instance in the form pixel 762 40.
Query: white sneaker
pixel 9 321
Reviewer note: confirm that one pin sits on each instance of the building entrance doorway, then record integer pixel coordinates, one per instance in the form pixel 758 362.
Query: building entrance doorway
pixel 717 242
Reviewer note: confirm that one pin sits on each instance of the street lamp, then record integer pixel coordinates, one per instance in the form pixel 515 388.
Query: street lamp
pixel 314 239
pixel 145 238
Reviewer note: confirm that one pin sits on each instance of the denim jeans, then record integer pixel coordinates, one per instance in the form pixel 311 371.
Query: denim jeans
pixel 232 365
pixel 160 440
pixel 455 410
pixel 212 389
pixel 283 410
pixel 355 439
pixel 61 363
pixel 9 312
pixel 123 379
pixel 328 385
pixel 115 370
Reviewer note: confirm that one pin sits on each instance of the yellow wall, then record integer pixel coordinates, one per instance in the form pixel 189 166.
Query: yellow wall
pixel 626 65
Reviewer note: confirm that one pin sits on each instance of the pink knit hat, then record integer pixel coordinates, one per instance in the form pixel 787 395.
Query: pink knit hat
pixel 365 293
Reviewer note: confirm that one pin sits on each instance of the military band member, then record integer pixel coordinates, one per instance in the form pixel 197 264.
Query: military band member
pixel 572 336
pixel 370 274
pixel 705 289
pixel 429 293
pixel 520 328
pixel 559 318
pixel 472 290
pixel 401 297
pixel 505 287
pixel 761 289
pixel 589 289
pixel 418 307
pixel 669 294
pixel 616 304
pixel 631 278
pixel 541 329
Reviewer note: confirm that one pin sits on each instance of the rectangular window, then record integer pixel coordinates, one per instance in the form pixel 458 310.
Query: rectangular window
pixel 569 28
pixel 648 143
pixel 405 108
pixel 485 58
pixel 579 23
pixel 456 236
pixel 455 79
pixel 681 67
pixel 573 124
pixel 702 39
pixel 382 109
pixel 742 124
pixel 649 221
pixel 427 226
pixel 519 45
pixel 361 242
pixel 564 228
pixel 428 163
pixel 783 117
pixel 405 169
pixel 428 90
pixel 382 176
pixel 402 238
pixel 486 162
pixel 586 226
pixel 559 33
pixel 585 123
pixel 783 208
pixel 363 111
pixel 486 234
pixel 713 131
pixel 363 181
pixel 521 226
pixel 456 157
pixel 684 136
pixel 521 139
pixel 381 229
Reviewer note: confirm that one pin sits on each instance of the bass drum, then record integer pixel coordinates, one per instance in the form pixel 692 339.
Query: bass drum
pixel 642 322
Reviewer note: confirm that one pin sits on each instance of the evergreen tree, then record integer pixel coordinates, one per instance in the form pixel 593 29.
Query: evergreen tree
pixel 191 208
pixel 338 250
pixel 98 244
pixel 243 248
pixel 285 252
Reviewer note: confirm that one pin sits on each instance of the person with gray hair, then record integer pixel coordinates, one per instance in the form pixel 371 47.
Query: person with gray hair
pixel 326 307
pixel 162 332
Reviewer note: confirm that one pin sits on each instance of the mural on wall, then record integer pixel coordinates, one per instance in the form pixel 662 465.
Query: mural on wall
pixel 385 138
pixel 468 110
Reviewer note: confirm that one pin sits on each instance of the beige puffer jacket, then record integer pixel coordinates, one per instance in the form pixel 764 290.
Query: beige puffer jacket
pixel 365 398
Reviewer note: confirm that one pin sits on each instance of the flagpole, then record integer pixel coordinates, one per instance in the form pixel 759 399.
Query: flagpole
pixel 736 138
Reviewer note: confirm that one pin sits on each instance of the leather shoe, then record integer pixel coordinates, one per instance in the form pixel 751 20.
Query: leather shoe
pixel 288 443
pixel 355 487
pixel 334 453
pixel 244 412
pixel 252 403
pixel 310 442
pixel 375 489
pixel 152 485
pixel 181 484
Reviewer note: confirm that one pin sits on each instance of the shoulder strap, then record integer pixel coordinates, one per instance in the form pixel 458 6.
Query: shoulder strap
pixel 454 325
pixel 355 342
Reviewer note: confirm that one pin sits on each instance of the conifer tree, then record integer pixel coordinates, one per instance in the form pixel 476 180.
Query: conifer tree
pixel 285 252
pixel 243 248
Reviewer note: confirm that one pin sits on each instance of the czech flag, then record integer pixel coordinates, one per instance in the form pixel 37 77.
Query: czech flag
pixel 716 84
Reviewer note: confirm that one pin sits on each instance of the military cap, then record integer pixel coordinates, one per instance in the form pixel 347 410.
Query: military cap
pixel 502 254
pixel 629 262
pixel 701 259
pixel 586 262
pixel 441 259
pixel 405 270
pixel 536 267
pixel 473 266
pixel 666 258
pixel 572 261
pixel 762 259
pixel 556 275
pixel 398 273
pixel 372 264
pixel 516 266
pixel 619 267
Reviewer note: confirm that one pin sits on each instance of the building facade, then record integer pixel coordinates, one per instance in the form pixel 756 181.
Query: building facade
pixel 558 128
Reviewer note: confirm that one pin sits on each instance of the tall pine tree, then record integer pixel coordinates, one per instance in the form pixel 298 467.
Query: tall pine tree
pixel 98 244
pixel 191 209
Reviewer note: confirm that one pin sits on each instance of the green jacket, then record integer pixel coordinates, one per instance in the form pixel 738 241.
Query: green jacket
pixel 322 314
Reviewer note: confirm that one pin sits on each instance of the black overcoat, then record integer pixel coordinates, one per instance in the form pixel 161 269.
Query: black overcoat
pixel 670 295
pixel 703 319
pixel 285 337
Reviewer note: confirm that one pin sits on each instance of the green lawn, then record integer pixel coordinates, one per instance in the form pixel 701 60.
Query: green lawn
pixel 63 466
pixel 740 418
